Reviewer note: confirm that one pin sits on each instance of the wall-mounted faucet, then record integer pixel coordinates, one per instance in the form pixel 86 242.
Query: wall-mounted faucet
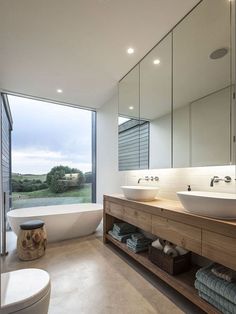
pixel 140 179
pixel 216 179
pixel 147 178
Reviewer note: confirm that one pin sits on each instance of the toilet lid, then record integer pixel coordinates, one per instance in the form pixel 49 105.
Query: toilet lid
pixel 22 288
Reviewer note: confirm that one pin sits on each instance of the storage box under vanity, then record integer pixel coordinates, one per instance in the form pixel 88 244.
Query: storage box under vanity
pixel 172 265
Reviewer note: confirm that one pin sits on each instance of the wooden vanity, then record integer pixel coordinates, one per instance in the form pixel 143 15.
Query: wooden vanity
pixel 212 238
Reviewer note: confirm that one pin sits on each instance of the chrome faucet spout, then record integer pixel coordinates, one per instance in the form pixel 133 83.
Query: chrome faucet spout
pixel 147 178
pixel 213 180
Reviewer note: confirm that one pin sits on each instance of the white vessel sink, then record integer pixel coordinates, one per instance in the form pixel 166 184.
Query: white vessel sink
pixel 140 193
pixel 211 204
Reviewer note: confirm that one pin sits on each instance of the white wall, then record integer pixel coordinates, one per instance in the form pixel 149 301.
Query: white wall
pixel 173 180
pixel 108 176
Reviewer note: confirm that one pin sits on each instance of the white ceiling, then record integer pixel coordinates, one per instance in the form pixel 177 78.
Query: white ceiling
pixel 78 45
pixel 195 75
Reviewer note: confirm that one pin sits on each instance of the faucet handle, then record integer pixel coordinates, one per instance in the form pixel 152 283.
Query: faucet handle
pixel 228 179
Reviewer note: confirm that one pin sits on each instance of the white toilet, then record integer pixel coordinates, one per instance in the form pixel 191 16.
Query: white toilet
pixel 25 291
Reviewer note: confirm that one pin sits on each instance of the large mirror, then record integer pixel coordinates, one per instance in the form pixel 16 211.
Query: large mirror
pixel 129 124
pixel 155 101
pixel 176 106
pixel 202 87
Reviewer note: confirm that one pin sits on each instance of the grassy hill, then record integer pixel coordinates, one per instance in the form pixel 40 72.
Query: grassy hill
pixel 18 177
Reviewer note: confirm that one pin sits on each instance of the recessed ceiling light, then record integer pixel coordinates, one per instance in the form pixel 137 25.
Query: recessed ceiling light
pixel 131 107
pixel 156 61
pixel 59 90
pixel 130 51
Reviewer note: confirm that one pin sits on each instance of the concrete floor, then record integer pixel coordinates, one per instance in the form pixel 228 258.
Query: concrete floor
pixel 91 278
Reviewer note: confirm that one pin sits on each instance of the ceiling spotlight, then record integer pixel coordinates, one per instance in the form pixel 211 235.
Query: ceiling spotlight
pixel 131 107
pixel 59 90
pixel 156 61
pixel 219 53
pixel 130 51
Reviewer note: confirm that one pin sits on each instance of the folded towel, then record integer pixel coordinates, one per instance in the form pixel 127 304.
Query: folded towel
pixel 224 272
pixel 139 238
pixel 220 286
pixel 135 249
pixel 137 245
pixel 213 302
pixel 120 238
pixel 124 228
pixel 224 303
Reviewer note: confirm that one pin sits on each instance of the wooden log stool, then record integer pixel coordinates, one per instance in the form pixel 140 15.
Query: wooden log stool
pixel 32 240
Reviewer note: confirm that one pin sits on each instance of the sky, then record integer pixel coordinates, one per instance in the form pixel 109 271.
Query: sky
pixel 46 135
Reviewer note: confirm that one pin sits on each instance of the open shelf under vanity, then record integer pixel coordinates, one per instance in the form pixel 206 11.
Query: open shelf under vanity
pixel 177 227
pixel 183 283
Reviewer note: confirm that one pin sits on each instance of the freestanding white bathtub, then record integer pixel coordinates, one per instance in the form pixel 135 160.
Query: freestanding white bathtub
pixel 61 221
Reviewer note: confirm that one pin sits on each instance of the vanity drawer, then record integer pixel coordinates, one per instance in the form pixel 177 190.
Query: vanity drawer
pixel 114 209
pixel 219 248
pixel 138 218
pixel 184 235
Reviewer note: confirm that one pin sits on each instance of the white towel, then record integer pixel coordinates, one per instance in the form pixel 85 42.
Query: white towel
pixel 157 244
pixel 170 250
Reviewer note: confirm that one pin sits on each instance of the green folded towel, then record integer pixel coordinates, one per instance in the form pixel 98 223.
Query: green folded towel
pixel 123 228
pixel 213 302
pixel 226 289
pixel 223 272
pixel 137 250
pixel 223 302
pixel 120 238
pixel 137 247
pixel 139 238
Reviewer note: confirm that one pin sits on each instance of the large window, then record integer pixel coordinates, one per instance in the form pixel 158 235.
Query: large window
pixel 52 155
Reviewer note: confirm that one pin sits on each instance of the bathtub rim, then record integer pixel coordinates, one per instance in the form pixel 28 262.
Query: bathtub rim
pixel 13 213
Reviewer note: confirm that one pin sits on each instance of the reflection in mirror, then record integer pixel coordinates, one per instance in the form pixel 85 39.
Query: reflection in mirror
pixel 133 132
pixel 155 101
pixel 233 115
pixel 202 86
pixel 129 95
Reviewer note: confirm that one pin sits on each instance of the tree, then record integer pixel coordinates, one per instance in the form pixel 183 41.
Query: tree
pixel 56 178
pixel 17 186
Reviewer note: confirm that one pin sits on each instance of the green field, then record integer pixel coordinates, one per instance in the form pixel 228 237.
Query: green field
pixel 46 197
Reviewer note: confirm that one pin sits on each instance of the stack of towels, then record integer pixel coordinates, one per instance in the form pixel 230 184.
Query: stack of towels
pixel 168 248
pixel 122 231
pixel 217 285
pixel 138 242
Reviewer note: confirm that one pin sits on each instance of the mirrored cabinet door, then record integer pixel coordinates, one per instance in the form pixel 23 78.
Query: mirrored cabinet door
pixel 202 88
pixel 155 101
pixel 128 124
